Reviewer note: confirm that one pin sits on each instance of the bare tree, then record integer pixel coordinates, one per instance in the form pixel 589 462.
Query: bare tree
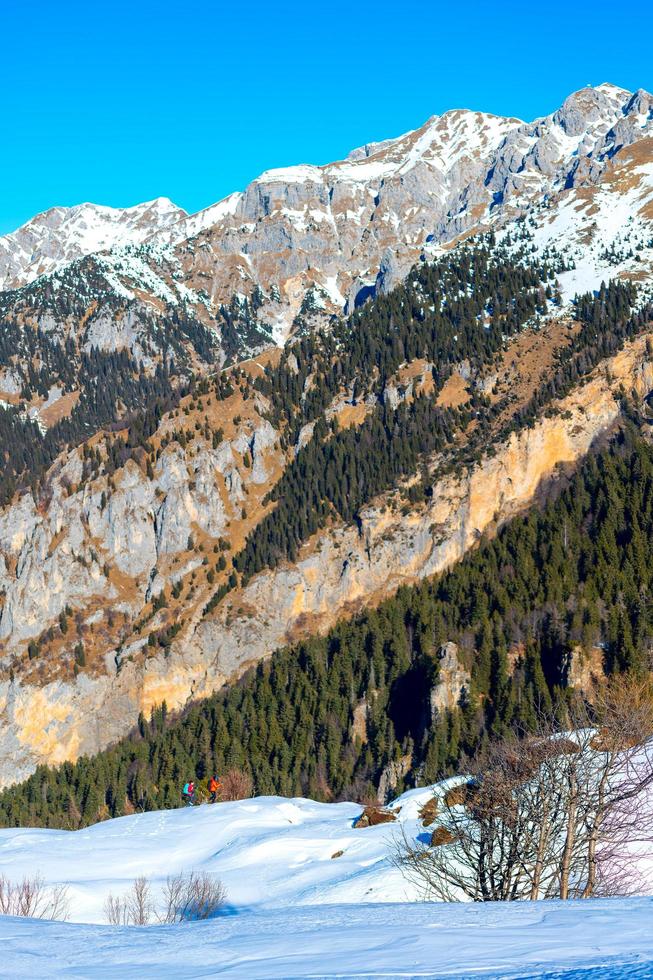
pixel 192 896
pixel 550 814
pixel 134 908
pixel 185 898
pixel 31 898
pixel 236 785
pixel 58 903
pixel 139 903
pixel 618 819
pixel 172 899
pixel 496 830
pixel 607 787
pixel 115 910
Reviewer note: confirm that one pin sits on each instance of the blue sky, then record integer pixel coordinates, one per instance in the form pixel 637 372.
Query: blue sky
pixel 120 102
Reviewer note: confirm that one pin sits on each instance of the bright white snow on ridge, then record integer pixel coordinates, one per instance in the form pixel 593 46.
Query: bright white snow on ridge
pixel 52 239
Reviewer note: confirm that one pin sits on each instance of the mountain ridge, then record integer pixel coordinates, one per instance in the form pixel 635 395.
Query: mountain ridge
pixel 308 243
pixel 60 234
pixel 591 112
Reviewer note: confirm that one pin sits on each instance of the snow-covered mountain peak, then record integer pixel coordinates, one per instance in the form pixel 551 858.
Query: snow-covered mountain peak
pixel 445 140
pixel 590 111
pixel 62 234
pixel 591 123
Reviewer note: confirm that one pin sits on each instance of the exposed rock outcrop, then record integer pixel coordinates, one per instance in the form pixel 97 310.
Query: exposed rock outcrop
pixel 359 722
pixel 58 557
pixel 391 776
pixel 584 669
pixel 453 680
pixel 372 816
pixel 441 836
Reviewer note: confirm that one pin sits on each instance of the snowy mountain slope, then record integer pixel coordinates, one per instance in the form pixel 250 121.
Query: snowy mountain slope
pixel 308 895
pixel 603 231
pixel 267 851
pixel 130 298
pixel 358 224
pixel 594 940
pixel 515 159
pixel 341 230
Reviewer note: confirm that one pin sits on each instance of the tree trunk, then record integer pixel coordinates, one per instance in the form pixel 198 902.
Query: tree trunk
pixel 593 841
pixel 565 866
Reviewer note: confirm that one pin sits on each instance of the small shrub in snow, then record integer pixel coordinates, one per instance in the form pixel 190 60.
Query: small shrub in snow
pixel 236 785
pixel 133 909
pixel 191 897
pixel 31 898
pixel 185 898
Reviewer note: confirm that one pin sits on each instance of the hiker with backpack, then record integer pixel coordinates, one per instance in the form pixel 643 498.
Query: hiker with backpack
pixel 214 786
pixel 188 793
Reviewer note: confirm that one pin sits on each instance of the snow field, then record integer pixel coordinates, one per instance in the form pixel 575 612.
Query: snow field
pixel 599 939
pixel 267 851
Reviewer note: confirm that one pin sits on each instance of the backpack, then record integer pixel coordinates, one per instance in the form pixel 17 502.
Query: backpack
pixel 186 790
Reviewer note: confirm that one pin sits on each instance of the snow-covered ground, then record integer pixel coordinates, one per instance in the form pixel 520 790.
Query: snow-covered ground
pixel 268 851
pixel 308 896
pixel 595 940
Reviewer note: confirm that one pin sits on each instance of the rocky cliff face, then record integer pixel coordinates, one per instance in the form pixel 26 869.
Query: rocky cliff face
pixel 118 541
pixel 453 680
pixel 349 228
pixel 337 573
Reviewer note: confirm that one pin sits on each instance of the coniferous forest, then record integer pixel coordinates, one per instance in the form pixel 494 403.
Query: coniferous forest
pixel 574 573
pixel 339 471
